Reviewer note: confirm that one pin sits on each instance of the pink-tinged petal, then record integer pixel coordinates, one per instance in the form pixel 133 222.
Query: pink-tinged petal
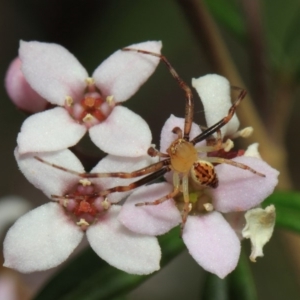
pixel 50 130
pixel 121 248
pixel 240 189
pixel 115 164
pixel 11 208
pixel 50 180
pixel 214 92
pixel 123 133
pixel 212 243
pixel 167 136
pixel 20 92
pixel 150 219
pixel 122 74
pixel 52 71
pixel 41 239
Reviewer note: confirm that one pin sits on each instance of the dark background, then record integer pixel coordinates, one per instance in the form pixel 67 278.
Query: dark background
pixel 92 30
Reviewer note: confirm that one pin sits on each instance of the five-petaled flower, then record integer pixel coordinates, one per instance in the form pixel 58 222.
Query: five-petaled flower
pixel 84 103
pixel 45 237
pixel 208 236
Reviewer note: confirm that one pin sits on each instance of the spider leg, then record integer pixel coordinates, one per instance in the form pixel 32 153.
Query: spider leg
pixel 186 198
pixel 220 160
pixel 123 188
pixel 153 152
pixel 214 128
pixel 189 106
pixel 144 171
pixel 214 144
pixel 172 194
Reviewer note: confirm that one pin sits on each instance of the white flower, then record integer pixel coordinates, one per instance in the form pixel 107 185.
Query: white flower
pixel 84 103
pixel 46 236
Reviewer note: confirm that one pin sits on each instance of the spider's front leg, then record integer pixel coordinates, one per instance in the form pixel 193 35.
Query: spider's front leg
pixel 176 190
pixel 214 128
pixel 189 105
pixel 126 175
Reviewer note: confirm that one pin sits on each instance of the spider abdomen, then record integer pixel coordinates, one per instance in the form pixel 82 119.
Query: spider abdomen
pixel 182 154
pixel 203 173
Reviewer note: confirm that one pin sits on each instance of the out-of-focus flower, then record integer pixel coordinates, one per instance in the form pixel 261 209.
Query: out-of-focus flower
pixel 11 208
pixel 20 92
pixel 11 286
pixel 259 228
pixel 208 236
pixel 84 103
pixel 45 237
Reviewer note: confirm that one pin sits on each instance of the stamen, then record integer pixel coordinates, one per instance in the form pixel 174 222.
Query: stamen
pixel 208 207
pixel 69 101
pixel 106 204
pixel 85 182
pixel 110 100
pixel 90 81
pixel 88 118
pixel 244 133
pixel 228 145
pixel 83 224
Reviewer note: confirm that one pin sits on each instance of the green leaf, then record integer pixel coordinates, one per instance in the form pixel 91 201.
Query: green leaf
pixel 281 24
pixel 287 209
pixel 215 288
pixel 229 15
pixel 87 277
pixel 240 281
pixel 288 199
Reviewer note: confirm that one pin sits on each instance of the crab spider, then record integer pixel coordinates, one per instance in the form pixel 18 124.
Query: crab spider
pixel 182 155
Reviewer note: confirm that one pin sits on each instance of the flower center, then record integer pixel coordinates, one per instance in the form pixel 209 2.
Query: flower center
pixel 200 201
pixel 92 108
pixel 83 205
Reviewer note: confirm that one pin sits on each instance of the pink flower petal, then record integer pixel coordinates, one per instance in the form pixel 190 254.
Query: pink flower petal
pixel 123 133
pixel 151 219
pixel 50 130
pixel 20 92
pixel 240 189
pixel 47 178
pixel 122 74
pixel 167 136
pixel 112 163
pixel 41 239
pixel 121 248
pixel 214 92
pixel 212 243
pixel 52 71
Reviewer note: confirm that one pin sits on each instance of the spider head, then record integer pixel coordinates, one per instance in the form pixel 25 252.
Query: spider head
pixel 182 154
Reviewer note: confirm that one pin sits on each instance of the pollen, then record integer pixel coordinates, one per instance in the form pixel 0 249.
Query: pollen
pixel 110 99
pixel 82 222
pixel 69 101
pixel 90 81
pixel 208 207
pixel 85 182
pixel 88 118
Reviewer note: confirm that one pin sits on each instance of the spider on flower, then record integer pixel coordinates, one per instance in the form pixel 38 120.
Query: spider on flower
pixel 183 156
